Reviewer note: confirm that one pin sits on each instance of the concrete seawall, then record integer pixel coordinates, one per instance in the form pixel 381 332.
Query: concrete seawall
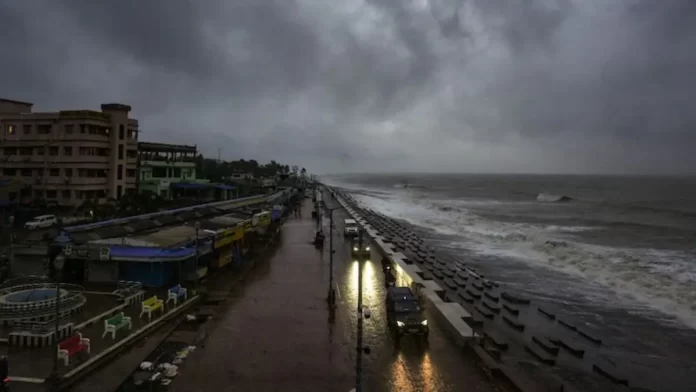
pixel 450 315
pixel 409 274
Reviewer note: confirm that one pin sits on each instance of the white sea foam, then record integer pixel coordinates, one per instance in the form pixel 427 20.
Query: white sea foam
pixel 665 280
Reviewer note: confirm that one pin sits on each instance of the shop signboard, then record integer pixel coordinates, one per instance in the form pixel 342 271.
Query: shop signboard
pixel 101 253
pixel 264 218
pixel 225 257
pixel 247 225
pixel 229 236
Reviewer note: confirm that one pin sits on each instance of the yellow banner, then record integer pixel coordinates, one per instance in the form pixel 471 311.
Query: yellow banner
pixel 229 236
pixel 225 258
pixel 247 225
pixel 264 218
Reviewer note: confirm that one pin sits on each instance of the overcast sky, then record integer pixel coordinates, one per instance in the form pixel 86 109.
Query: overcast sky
pixel 380 85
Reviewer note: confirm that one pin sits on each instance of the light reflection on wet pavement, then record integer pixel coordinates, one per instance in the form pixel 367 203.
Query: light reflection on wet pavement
pixel 277 337
pixel 437 366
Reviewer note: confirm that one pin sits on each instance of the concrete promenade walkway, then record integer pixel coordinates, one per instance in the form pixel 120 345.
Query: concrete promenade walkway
pixel 276 335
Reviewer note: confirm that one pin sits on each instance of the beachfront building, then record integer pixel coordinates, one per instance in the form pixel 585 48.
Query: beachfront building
pixel 241 176
pixel 68 156
pixel 161 165
pixel 169 170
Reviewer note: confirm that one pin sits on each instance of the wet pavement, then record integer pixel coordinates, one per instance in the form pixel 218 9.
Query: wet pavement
pixel 277 336
pixel 438 366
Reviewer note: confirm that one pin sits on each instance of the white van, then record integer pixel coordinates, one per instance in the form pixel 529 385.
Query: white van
pixel 40 222
pixel 350 227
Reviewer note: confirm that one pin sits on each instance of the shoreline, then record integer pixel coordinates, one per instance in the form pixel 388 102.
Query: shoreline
pixel 624 351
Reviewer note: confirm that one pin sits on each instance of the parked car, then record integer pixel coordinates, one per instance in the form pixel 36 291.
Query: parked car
pixel 41 222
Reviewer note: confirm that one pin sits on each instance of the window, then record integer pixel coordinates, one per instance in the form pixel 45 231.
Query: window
pixel 66 195
pixel 83 128
pixel 10 150
pixel 120 172
pixel 44 129
pixel 131 154
pixel 51 194
pixel 120 132
pixel 177 172
pixel 26 151
pixel 67 151
pixel 119 192
pixel 130 173
pixel 68 172
pixel 38 194
pixel 40 150
pixel 54 172
pixel 10 129
pixel 26 129
pixel 159 172
pixel 9 172
pixel 39 172
pixel 120 151
pixel 26 173
pixel 69 128
pixel 53 151
pixel 93 151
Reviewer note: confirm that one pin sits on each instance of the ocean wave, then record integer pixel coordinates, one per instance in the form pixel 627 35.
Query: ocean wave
pixel 550 198
pixel 662 279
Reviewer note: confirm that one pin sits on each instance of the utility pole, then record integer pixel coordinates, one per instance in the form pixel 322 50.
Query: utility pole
pixel 359 345
pixel 58 264
pixel 332 295
pixel 198 255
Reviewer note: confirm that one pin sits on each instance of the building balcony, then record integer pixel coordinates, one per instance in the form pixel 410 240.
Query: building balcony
pixel 54 138
pixel 13 160
pixel 61 181
pixel 181 164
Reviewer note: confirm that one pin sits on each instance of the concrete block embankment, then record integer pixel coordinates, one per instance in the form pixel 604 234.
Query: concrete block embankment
pixel 449 314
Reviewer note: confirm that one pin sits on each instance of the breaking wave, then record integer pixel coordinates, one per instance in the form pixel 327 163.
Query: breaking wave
pixel 549 198
pixel 662 279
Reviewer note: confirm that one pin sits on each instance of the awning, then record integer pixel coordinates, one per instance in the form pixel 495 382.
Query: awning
pixel 149 252
pixel 188 185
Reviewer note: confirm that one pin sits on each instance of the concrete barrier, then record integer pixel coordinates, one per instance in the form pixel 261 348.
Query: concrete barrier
pixel 39 339
pixel 449 314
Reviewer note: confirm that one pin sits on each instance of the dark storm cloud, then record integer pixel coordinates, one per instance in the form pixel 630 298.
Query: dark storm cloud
pixel 467 85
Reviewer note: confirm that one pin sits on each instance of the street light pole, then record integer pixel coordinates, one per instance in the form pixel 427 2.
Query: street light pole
pixel 198 255
pixel 332 297
pixel 359 345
